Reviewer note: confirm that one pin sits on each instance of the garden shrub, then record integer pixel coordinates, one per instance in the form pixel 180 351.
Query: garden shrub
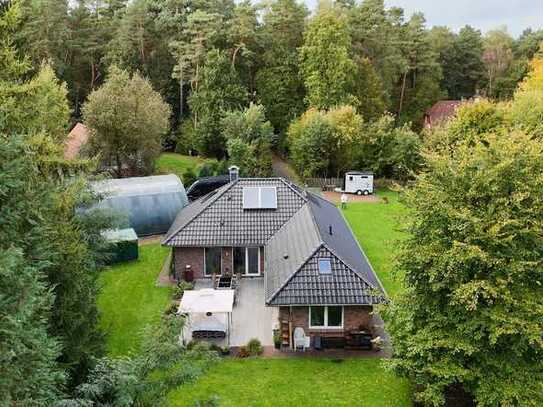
pixel 254 347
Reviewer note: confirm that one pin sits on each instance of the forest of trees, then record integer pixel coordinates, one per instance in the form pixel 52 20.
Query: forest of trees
pixel 209 57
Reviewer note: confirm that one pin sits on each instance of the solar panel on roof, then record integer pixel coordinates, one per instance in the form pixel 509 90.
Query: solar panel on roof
pixel 251 198
pixel 259 198
pixel 268 198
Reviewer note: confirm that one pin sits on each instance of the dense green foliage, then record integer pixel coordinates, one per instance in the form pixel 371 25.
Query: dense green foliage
pixel 127 120
pixel 208 57
pixel 28 352
pixel 471 309
pixel 56 249
pixel 470 314
pixel 329 143
pixel 219 90
pixel 249 138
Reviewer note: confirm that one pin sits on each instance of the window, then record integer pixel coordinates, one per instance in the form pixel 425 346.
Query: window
pixel 212 261
pixel 239 260
pixel 247 260
pixel 316 316
pixel 326 317
pixel 350 178
pixel 335 316
pixel 325 266
pixel 259 198
pixel 253 260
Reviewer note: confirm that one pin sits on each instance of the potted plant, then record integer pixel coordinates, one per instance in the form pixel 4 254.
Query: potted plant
pixel 277 339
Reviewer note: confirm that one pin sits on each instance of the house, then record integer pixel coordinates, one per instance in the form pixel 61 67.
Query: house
pixel 77 138
pixel 441 112
pixel 298 244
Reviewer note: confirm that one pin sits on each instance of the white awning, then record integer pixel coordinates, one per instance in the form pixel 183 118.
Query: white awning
pixel 206 300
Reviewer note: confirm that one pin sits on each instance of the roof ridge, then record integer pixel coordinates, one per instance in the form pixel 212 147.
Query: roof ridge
pixel 291 186
pixel 217 194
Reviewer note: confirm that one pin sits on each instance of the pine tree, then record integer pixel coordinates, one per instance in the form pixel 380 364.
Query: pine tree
pixel 279 84
pixel 30 374
pixel 325 61
pixel 219 90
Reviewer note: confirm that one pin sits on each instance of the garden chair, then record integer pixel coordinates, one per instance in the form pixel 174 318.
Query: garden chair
pixel 300 339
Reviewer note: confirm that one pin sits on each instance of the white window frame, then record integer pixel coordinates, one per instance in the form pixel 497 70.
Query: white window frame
pixel 325 326
pixel 246 273
pixel 205 261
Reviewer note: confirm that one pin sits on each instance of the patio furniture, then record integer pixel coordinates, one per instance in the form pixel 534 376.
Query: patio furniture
pixel 317 342
pixel 333 342
pixel 358 340
pixel 377 343
pixel 224 283
pixel 208 313
pixel 205 334
pixel 300 340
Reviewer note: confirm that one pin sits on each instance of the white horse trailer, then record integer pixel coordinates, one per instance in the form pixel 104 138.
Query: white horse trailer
pixel 360 183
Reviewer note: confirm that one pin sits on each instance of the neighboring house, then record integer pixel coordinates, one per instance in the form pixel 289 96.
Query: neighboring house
pixel 77 138
pixel 313 270
pixel 440 113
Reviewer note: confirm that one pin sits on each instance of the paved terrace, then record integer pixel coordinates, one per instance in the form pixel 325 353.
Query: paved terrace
pixel 250 317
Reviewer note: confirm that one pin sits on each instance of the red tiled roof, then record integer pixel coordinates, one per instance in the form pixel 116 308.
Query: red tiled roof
pixel 76 139
pixel 441 111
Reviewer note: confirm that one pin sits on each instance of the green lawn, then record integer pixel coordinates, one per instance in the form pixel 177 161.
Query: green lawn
pixel 130 300
pixel 173 163
pixel 375 225
pixel 296 382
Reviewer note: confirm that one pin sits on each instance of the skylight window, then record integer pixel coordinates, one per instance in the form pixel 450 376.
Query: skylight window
pixel 325 266
pixel 259 198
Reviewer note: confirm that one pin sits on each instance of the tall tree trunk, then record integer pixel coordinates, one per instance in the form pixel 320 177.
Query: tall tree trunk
pixel 119 166
pixel 234 55
pixel 181 95
pixel 402 94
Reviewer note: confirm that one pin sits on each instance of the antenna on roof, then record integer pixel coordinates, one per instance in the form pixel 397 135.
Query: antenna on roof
pixel 233 171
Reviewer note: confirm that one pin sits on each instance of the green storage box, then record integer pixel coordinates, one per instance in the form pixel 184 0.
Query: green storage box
pixel 124 244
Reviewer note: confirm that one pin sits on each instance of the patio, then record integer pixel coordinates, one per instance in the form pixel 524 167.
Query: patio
pixel 250 317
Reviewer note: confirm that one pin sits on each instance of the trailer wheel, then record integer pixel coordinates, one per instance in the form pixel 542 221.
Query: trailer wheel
pixel 366 192
pixel 359 192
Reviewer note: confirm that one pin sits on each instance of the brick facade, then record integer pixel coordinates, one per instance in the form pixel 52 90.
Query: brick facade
pixel 195 257
pixel 227 261
pixel 192 256
pixel 354 317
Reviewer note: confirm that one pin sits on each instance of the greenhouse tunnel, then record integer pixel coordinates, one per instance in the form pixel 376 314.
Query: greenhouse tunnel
pixel 150 204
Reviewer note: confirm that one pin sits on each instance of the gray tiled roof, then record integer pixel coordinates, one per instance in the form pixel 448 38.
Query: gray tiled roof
pixel 295 236
pixel 304 239
pixel 341 241
pixel 342 287
pixel 218 219
pixel 289 249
